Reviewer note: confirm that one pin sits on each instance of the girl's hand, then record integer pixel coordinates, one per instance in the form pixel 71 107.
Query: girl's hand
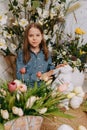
pixel 61 65
pixel 45 76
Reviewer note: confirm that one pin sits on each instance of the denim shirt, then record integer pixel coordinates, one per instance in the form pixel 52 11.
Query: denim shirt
pixel 35 64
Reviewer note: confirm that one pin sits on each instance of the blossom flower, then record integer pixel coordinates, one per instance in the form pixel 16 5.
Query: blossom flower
pixel 79 31
pixel 31 101
pixel 23 22
pixel 3 44
pixel 18 82
pixel 15 110
pixel 43 110
pixel 22 88
pixel 20 112
pixel 3 19
pixel 5 114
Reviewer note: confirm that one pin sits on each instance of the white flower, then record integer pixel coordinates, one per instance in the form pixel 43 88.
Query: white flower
pixel 18 82
pixel 50 47
pixel 64 53
pixel 2 44
pixel 20 112
pixel 3 19
pixel 4 114
pixel 15 23
pixel 18 96
pixel 39 10
pixel 45 13
pixel 81 127
pixel 12 47
pixel 15 110
pixel 21 1
pixel 7 35
pixel 43 110
pixel 31 101
pixel 23 22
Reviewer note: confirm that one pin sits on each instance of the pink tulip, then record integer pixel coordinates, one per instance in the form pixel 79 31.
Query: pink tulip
pixel 23 70
pixel 23 88
pixel 38 74
pixel 12 86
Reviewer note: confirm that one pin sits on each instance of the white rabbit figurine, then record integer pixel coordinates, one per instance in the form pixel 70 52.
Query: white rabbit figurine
pixel 63 74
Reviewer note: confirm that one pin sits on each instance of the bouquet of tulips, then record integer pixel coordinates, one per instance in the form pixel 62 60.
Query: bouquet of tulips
pixel 17 100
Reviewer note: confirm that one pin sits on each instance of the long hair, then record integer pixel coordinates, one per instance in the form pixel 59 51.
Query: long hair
pixel 26 45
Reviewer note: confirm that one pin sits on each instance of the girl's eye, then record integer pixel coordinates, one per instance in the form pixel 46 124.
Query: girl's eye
pixel 30 35
pixel 38 35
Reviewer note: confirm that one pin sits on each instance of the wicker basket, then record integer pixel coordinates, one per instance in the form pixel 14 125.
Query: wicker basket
pixel 25 123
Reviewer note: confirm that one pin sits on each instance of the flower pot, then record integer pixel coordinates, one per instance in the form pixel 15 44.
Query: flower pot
pixel 25 123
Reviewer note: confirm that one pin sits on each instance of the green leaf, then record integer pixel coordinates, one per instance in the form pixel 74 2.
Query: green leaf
pixel 36 3
pixel 57 112
pixel 1 126
pixel 11 101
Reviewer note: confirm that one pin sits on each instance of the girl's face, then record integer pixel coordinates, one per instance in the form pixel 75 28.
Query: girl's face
pixel 34 37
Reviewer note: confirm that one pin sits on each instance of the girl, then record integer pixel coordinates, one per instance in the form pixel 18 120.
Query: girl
pixel 34 57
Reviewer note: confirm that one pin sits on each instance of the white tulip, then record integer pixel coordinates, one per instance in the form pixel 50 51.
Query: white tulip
pixel 43 110
pixel 81 127
pixel 20 112
pixel 65 127
pixel 4 114
pixel 31 101
pixel 15 110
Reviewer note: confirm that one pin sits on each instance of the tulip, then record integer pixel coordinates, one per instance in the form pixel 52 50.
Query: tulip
pixel 31 101
pixel 22 88
pixel 4 114
pixel 38 74
pixel 20 112
pixel 15 110
pixel 12 86
pixel 43 110
pixel 23 70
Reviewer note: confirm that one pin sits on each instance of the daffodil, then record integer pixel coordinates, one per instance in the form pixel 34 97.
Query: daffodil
pixel 79 31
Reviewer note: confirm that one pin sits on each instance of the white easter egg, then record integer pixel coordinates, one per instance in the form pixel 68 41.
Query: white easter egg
pixel 75 102
pixel 81 127
pixel 65 127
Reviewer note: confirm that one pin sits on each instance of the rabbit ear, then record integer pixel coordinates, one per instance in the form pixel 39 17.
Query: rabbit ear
pixel 56 71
